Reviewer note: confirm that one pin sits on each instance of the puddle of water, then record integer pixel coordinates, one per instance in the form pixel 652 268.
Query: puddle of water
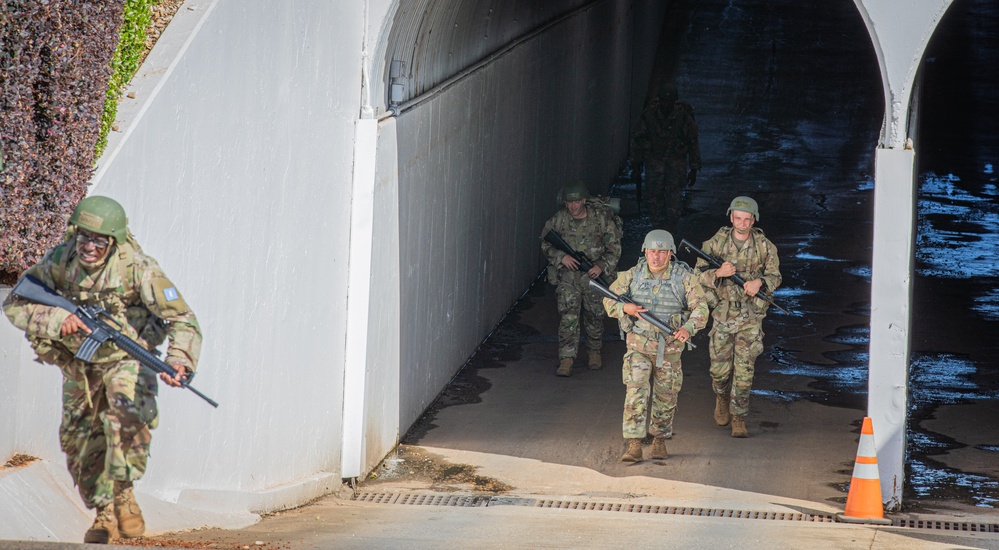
pixel 862 271
pixel 777 396
pixel 813 257
pixel 928 480
pixel 941 379
pixel 988 305
pixel 792 292
pixel 955 239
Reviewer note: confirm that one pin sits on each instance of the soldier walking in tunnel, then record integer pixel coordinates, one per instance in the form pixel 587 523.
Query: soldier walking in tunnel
pixel 593 229
pixel 665 139
pixel 737 330
pixel 669 290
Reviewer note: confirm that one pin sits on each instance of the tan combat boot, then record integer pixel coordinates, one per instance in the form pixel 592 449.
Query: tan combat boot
pixel 659 448
pixel 595 363
pixel 130 521
pixel 634 452
pixel 722 417
pixel 565 366
pixel 739 426
pixel 105 527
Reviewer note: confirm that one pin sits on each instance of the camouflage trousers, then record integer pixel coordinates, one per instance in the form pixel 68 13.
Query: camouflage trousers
pixel 645 380
pixel 665 182
pixel 736 342
pixel 108 410
pixel 575 300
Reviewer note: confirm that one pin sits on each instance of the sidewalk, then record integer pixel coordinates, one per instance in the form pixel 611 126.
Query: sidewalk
pixel 531 519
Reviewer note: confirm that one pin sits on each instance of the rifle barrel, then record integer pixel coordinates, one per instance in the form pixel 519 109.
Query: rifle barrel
pixel 33 290
pixel 736 278
pixel 585 264
pixel 647 316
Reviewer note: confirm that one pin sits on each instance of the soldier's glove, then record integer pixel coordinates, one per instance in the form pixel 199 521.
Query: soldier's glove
pixel 691 178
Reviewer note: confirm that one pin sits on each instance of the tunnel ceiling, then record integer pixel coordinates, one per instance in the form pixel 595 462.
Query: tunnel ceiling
pixel 437 39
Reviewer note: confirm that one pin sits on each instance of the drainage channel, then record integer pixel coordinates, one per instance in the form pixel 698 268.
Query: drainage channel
pixel 468 501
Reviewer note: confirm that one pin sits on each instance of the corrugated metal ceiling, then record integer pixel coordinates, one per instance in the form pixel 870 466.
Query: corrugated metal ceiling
pixel 437 39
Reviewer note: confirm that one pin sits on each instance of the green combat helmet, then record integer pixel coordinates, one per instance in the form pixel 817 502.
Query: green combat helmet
pixel 101 215
pixel 659 239
pixel 575 191
pixel 745 204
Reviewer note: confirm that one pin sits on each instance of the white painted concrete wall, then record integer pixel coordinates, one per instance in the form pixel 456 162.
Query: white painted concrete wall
pixel 237 177
pixel 234 164
pixel 480 164
pixel 30 409
pixel 382 391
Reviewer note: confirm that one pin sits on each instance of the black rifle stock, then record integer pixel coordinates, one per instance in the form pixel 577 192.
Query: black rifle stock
pixel 585 264
pixel 652 319
pixel 33 290
pixel 736 278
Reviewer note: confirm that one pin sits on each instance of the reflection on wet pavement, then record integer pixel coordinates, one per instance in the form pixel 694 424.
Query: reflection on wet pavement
pixel 957 230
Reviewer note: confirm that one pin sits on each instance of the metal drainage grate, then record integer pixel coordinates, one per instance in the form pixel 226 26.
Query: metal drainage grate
pixel 682 511
pixel 423 500
pixel 946 525
pixel 484 501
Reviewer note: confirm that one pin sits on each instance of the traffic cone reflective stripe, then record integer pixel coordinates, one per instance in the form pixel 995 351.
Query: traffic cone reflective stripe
pixel 863 503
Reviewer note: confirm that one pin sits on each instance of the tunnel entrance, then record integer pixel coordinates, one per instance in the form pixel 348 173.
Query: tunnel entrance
pixel 789 107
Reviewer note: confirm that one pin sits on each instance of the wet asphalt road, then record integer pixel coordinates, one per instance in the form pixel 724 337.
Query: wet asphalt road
pixel 789 105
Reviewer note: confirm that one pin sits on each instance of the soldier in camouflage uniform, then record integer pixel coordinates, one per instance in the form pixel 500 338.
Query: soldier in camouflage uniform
pixel 109 404
pixel 737 331
pixel 592 228
pixel 671 292
pixel 666 140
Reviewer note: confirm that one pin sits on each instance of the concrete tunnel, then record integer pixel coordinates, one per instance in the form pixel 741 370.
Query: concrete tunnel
pixel 529 70
pixel 351 217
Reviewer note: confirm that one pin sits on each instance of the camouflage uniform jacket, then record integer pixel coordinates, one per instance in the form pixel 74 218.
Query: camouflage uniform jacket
pixel 757 259
pixel 661 136
pixel 130 287
pixel 694 316
pixel 598 235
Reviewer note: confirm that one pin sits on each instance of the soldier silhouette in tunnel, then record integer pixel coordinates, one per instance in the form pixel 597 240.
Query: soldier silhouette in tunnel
pixel 665 139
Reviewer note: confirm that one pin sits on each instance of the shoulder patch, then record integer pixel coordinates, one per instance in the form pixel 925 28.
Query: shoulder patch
pixel 168 299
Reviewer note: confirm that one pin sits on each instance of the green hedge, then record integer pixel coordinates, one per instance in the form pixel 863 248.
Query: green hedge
pixel 62 70
pixel 127 56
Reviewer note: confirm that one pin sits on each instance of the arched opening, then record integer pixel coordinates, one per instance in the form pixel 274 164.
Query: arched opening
pixel 955 290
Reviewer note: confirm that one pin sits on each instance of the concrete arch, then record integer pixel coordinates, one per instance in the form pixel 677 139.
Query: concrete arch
pixel 434 40
pixel 899 56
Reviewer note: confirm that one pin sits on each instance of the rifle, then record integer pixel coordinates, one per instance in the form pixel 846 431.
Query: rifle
pixel 716 262
pixel 585 264
pixel 33 290
pixel 652 319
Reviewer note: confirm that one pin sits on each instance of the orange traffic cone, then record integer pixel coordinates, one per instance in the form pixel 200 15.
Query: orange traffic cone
pixel 863 503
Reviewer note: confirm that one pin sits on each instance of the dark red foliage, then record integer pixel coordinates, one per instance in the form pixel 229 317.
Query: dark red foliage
pixel 55 61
